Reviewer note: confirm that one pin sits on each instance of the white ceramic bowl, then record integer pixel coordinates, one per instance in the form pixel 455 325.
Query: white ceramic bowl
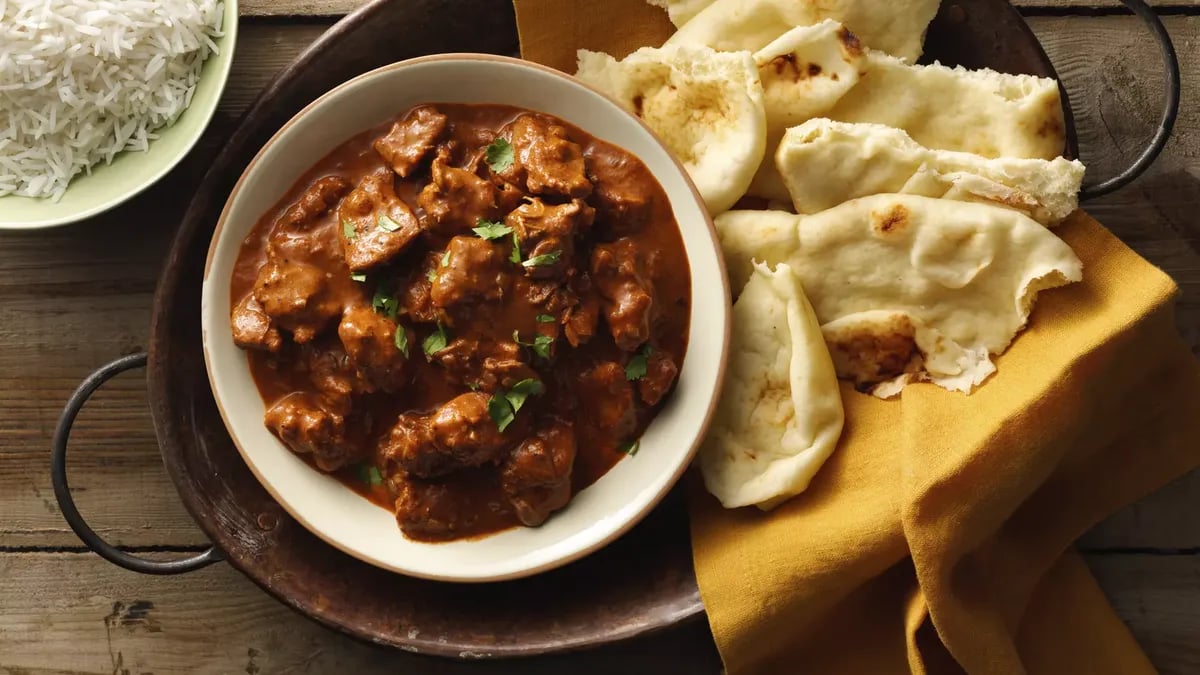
pixel 596 515
pixel 109 185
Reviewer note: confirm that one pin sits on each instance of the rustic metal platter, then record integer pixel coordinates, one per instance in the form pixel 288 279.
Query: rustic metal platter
pixel 642 583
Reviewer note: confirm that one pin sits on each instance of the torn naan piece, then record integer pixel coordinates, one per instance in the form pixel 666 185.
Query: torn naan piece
pixel 824 163
pixel 908 287
pixel 976 111
pixel 780 414
pixel 896 28
pixel 681 11
pixel 707 106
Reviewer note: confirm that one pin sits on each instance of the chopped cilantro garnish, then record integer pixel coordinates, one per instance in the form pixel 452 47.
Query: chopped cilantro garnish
pixel 348 230
pixel 503 406
pixel 401 340
pixel 446 258
pixel 543 260
pixel 358 276
pixel 545 318
pixel 436 341
pixel 369 475
pixel 387 224
pixel 488 229
pixel 541 344
pixel 630 448
pixel 636 368
pixel 385 303
pixel 499 155
pixel 516 252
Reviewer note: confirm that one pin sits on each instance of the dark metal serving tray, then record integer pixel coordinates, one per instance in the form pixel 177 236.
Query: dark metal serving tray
pixel 641 583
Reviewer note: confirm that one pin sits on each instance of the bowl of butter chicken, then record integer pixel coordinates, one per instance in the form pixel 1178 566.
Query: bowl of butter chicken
pixel 465 318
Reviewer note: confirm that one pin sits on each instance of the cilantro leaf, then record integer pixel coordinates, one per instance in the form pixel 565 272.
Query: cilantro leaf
pixel 385 303
pixel 630 448
pixel 431 274
pixel 348 230
pixel 545 318
pixel 541 345
pixel 369 474
pixel 499 155
pixel 387 224
pixel 503 406
pixel 543 260
pixel 501 411
pixel 436 341
pixel 446 258
pixel 401 340
pixel 488 229
pixel 358 276
pixel 523 390
pixel 636 368
pixel 516 252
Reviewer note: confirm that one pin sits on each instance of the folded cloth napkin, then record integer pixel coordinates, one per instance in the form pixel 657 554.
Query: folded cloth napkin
pixel 938 536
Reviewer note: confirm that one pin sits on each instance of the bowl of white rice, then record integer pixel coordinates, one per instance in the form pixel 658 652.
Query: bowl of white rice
pixel 101 98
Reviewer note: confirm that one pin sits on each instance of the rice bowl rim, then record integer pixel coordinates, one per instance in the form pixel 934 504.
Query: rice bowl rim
pixel 131 172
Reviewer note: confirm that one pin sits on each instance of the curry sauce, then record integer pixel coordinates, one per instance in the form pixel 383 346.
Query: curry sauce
pixel 467 315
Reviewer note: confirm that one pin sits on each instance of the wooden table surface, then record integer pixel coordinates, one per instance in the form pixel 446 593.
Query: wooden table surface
pixel 76 297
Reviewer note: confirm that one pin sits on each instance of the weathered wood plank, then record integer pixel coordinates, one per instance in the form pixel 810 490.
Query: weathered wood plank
pixel 109 266
pixel 340 7
pixel 75 613
pixel 74 298
pixel 1158 597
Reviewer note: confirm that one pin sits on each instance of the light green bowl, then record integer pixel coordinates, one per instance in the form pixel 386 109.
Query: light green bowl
pixel 132 172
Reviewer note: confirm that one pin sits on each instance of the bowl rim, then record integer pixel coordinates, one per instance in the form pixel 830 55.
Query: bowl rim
pixel 705 421
pixel 228 44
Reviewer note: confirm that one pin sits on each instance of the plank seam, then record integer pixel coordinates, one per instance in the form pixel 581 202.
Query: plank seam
pixel 154 548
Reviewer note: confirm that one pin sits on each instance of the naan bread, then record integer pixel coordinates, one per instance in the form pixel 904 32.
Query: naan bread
pixel 804 73
pixel 707 106
pixel 908 287
pixel 824 163
pixel 896 27
pixel 681 11
pixel 977 111
pixel 780 413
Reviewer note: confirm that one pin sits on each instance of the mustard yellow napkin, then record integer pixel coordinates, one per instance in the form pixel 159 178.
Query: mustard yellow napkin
pixel 937 537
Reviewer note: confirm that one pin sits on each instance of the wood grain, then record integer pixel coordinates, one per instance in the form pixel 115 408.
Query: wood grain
pixel 339 7
pixel 74 298
pixel 74 613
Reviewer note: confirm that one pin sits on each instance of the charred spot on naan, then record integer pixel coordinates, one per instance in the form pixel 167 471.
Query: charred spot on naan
pixel 892 221
pixel 869 352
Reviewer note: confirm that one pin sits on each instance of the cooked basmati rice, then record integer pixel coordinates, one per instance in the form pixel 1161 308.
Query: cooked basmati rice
pixel 82 80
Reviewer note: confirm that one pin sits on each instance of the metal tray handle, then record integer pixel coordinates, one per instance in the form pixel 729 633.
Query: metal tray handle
pixel 62 491
pixel 1170 108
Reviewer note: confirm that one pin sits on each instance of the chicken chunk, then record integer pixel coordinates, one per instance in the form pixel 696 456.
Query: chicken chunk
pixel 252 328
pixel 291 236
pixel 624 192
pixel 455 200
pixel 545 161
pixel 457 435
pixel 607 399
pixel 660 375
pixel 546 233
pixel 311 425
pixel 470 269
pixel 488 366
pixel 414 297
pixel 376 225
pixel 579 325
pixel 411 139
pixel 369 339
pixel 331 371
pixel 626 291
pixel 296 297
pixel 536 477
pixel 432 510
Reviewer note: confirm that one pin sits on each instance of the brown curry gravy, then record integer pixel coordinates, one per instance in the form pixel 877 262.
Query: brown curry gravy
pixel 476 489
